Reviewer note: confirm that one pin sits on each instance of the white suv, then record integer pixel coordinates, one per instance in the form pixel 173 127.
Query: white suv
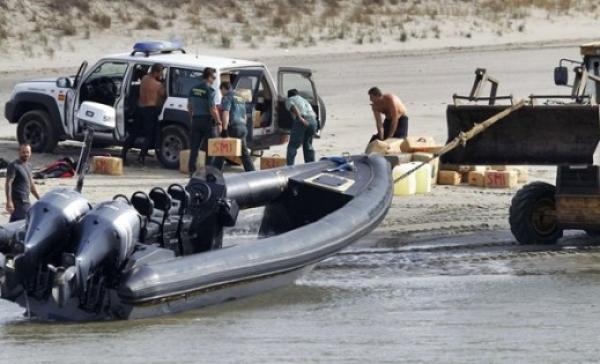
pixel 48 111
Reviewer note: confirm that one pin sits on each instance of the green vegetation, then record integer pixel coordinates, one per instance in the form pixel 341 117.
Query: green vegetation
pixel 287 23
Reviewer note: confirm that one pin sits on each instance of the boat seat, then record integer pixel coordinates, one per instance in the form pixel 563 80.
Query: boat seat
pixel 145 207
pixel 181 200
pixel 121 196
pixel 161 199
pixel 163 203
pixel 180 196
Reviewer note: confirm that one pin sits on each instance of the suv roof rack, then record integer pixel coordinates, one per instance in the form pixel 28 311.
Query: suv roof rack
pixel 154 47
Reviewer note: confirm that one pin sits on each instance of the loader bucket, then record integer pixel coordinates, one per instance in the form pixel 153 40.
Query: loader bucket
pixel 532 135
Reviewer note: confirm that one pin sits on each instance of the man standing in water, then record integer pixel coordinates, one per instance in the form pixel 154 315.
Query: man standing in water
pixel 152 96
pixel 19 184
pixel 395 124
pixel 206 122
pixel 304 127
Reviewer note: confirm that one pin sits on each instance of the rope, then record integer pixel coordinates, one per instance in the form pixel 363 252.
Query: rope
pixel 463 137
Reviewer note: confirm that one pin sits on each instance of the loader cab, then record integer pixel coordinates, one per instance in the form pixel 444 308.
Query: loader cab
pixel 585 86
pixel 591 62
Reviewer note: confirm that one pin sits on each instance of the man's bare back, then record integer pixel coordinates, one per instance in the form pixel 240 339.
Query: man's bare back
pixel 391 106
pixel 395 124
pixel 152 92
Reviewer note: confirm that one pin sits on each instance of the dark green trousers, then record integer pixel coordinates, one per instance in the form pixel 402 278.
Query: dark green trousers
pixel 302 136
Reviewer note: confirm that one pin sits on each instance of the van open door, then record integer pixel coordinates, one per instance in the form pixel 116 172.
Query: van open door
pixel 120 132
pixel 70 96
pixel 246 82
pixel 300 79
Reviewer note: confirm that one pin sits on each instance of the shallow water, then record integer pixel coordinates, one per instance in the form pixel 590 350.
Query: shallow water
pixel 453 303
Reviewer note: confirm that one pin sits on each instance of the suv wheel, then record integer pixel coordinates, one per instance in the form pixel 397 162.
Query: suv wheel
pixel 173 139
pixel 35 128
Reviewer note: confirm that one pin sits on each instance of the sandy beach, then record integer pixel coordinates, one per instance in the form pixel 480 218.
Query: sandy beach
pixel 440 280
pixel 424 80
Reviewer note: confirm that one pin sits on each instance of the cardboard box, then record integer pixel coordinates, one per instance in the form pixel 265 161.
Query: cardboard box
pixel 476 178
pixel 224 147
pixel 418 144
pixel 451 178
pixel 107 165
pixel 424 157
pixel 275 161
pixel 433 149
pixel 501 179
pixel 522 173
pixel 398 159
pixel 234 160
pixel 463 168
pixel 383 147
pixel 184 159
pixel 256 119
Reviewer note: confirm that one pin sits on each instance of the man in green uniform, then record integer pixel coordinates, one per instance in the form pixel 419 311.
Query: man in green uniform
pixel 206 122
pixel 233 116
pixel 304 127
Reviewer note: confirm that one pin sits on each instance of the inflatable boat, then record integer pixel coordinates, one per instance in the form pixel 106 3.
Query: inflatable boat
pixel 162 252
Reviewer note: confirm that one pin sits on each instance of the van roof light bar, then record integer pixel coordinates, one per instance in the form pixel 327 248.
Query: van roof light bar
pixel 153 47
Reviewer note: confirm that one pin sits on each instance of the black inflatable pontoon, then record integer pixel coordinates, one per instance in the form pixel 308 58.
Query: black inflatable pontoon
pixel 161 252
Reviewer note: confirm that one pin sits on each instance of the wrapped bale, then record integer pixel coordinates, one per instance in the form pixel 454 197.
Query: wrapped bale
pixel 501 179
pixel 274 161
pixel 112 166
pixel 184 159
pixel 224 147
pixel 450 178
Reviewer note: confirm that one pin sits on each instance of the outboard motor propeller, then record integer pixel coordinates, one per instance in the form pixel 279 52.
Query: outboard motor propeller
pixel 50 222
pixel 210 208
pixel 106 237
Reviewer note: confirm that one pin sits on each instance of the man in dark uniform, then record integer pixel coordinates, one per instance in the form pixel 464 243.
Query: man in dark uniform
pixel 233 116
pixel 19 184
pixel 206 122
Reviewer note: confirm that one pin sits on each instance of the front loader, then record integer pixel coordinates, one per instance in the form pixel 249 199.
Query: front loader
pixel 561 130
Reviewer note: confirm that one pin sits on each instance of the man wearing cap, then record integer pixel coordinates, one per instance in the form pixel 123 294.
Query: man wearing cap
pixel 304 127
pixel 206 122
pixel 152 96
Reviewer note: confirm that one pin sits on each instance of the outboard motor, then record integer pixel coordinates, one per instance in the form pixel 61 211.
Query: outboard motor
pixel 9 235
pixel 106 237
pixel 211 210
pixel 50 223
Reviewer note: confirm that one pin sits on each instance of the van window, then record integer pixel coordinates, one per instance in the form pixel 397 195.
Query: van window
pixel 299 82
pixel 181 81
pixel 103 84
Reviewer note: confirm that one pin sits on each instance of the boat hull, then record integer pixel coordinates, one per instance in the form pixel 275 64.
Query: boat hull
pixel 309 213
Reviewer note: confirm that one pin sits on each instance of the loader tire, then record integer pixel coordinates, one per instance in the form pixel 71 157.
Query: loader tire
pixel 529 220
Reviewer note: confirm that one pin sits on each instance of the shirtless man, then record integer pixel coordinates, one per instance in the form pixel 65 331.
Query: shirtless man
pixel 152 96
pixel 395 124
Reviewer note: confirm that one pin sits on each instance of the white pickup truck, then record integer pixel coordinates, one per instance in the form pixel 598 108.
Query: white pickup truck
pixel 51 110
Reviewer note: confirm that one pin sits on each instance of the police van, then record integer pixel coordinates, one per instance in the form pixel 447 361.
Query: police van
pixel 48 111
